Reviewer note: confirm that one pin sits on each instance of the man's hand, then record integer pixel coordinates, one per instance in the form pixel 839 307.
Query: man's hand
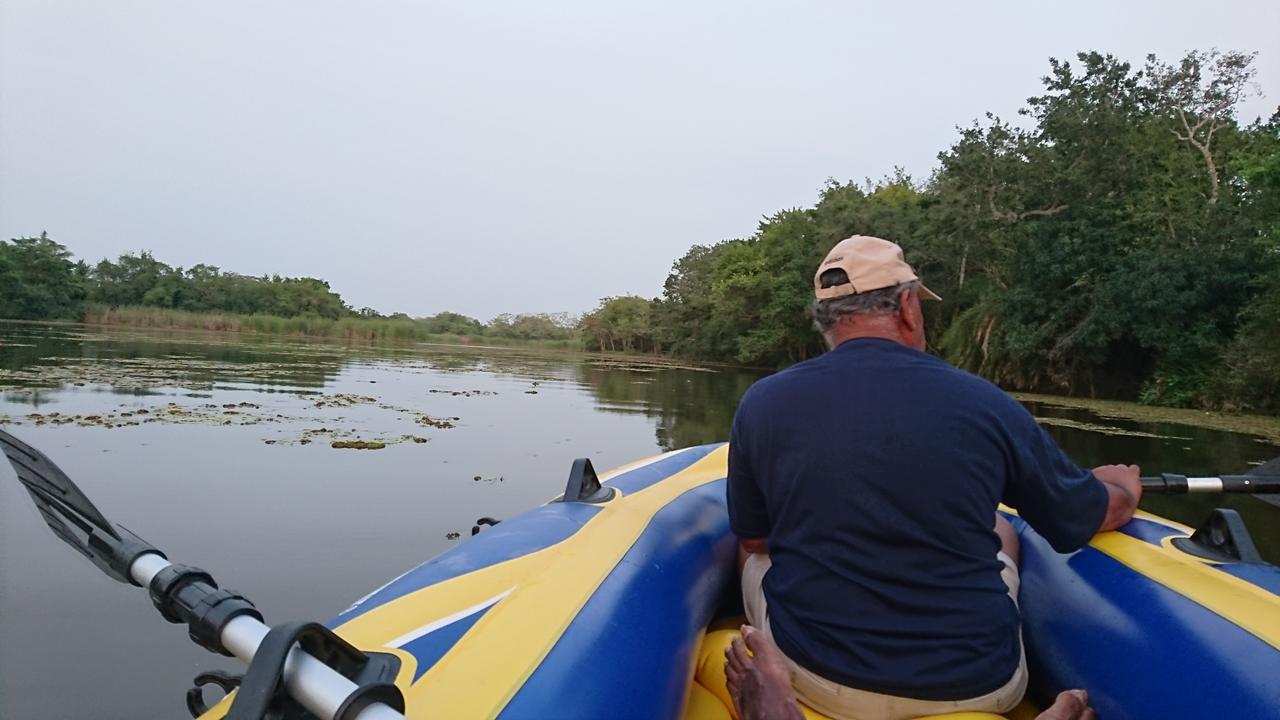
pixel 1124 490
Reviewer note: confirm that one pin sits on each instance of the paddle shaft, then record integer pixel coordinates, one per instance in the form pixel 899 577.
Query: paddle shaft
pixel 1171 484
pixel 316 686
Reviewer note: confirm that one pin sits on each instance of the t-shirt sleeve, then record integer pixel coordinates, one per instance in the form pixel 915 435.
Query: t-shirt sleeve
pixel 748 517
pixel 1063 502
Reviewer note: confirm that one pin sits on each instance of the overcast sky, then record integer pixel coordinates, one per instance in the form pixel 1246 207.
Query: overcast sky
pixel 509 157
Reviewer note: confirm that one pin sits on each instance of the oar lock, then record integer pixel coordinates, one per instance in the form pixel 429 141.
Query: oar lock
pixel 583 486
pixel 1222 537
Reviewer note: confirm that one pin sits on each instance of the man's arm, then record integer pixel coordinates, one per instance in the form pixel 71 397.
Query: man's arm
pixel 1063 502
pixel 1124 490
pixel 748 515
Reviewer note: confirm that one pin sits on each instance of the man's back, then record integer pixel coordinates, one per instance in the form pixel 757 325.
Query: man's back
pixel 874 471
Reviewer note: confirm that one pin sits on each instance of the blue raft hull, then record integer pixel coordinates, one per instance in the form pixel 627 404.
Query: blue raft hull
pixel 573 610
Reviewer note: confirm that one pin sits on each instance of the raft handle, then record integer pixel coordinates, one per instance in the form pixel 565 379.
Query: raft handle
pixel 1222 537
pixel 584 485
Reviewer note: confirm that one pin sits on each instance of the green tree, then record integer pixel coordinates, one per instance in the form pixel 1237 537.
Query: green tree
pixel 532 326
pixel 126 281
pixel 452 323
pixel 619 323
pixel 38 280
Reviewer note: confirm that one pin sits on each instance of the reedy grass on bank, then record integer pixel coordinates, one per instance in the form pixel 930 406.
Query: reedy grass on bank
pixel 350 328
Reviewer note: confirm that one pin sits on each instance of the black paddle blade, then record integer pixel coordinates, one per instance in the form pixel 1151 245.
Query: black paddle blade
pixel 55 495
pixel 1270 467
pixel 70 514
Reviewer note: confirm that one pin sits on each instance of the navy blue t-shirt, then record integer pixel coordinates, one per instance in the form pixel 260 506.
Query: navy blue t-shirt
pixel 874 472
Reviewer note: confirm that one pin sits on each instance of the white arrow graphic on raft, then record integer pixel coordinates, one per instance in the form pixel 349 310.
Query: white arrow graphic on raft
pixel 448 620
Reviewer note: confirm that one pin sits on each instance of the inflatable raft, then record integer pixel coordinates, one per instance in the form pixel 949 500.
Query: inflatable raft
pixel 597 605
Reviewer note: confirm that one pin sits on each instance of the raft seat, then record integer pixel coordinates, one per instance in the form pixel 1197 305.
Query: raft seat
pixel 709 696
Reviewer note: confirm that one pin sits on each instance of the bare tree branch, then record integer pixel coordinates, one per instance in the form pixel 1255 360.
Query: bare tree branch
pixel 1042 213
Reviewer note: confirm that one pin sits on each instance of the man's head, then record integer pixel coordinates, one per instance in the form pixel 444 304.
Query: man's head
pixel 864 288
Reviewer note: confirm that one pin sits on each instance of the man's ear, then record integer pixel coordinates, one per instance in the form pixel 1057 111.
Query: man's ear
pixel 909 315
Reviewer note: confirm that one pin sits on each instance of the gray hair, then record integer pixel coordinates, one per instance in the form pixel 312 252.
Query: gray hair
pixel 885 301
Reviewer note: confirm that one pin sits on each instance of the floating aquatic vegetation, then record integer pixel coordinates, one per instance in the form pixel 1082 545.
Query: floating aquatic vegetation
pixel 358 444
pixel 143 374
pixel 1262 426
pixel 1103 429
pixel 463 393
pixel 344 439
pixel 644 365
pixel 172 413
pixel 341 400
pixel 438 423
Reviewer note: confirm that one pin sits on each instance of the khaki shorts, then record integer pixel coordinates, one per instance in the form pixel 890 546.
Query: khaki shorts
pixel 846 703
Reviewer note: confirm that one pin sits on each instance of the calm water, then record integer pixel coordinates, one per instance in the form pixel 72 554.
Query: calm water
pixel 218 450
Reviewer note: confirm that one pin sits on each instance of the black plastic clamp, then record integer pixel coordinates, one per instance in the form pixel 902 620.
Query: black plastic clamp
pixel 117 556
pixel 386 693
pixel 261 694
pixel 189 595
pixel 166 590
pixel 212 613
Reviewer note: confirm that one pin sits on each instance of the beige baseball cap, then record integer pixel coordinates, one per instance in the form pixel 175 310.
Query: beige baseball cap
pixel 871 264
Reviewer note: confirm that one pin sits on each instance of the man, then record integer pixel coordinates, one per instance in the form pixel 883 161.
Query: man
pixel 863 486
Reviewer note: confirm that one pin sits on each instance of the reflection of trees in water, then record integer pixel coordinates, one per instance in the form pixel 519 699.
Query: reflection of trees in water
pixel 53 356
pixel 691 407
pixel 25 345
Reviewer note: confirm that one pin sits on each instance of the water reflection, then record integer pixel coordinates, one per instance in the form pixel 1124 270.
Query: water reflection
pixel 688 407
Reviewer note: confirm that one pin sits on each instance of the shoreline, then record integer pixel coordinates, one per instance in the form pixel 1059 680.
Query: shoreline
pixel 1263 426
pixel 461 342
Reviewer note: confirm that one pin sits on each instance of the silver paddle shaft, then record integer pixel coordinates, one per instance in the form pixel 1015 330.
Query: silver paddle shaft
pixel 316 686
pixel 1172 484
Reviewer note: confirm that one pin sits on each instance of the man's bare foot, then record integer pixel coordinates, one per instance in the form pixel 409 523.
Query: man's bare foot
pixel 1069 705
pixel 760 682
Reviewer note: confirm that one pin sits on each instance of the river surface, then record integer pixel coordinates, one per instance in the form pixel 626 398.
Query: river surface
pixel 220 450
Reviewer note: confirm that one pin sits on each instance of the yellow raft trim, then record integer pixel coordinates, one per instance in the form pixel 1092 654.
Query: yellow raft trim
pixel 1253 609
pixel 489 665
pixel 541 593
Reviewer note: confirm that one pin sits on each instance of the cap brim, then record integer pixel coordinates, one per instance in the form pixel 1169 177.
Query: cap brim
pixel 928 294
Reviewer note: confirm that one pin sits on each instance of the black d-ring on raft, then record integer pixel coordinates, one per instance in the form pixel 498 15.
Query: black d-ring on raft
pixel 195 694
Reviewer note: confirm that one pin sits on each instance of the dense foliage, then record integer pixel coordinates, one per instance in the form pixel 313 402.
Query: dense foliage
pixel 38 280
pixel 1122 241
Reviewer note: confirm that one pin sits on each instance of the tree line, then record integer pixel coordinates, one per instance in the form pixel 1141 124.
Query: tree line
pixel 40 280
pixel 1120 239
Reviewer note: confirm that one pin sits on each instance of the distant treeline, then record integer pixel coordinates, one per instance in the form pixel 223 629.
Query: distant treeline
pixel 39 280
pixel 1121 241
